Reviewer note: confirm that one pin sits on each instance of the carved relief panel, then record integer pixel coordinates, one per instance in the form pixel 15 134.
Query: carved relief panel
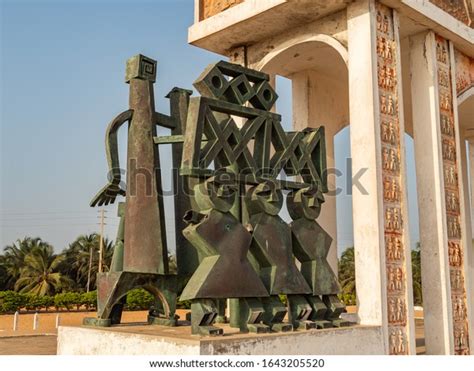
pixel 459 9
pixel 390 131
pixel 451 190
pixel 208 8
pixel 464 72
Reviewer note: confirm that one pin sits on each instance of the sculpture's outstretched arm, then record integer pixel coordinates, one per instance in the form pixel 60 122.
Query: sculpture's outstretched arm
pixel 109 192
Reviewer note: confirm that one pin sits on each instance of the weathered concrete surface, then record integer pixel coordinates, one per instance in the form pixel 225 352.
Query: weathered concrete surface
pixel 142 340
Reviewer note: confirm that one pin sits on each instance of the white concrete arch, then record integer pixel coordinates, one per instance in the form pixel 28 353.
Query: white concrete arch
pixel 317 65
pixel 466 112
pixel 464 96
pixel 301 40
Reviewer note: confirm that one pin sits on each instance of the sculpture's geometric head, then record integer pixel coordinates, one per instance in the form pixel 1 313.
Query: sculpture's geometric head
pixel 217 192
pixel 140 67
pixel 305 203
pixel 266 198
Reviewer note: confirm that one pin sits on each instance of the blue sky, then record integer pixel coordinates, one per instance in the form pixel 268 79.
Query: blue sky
pixel 62 81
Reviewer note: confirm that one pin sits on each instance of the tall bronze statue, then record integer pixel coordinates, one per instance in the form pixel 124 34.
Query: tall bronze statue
pixel 311 245
pixel 271 248
pixel 224 243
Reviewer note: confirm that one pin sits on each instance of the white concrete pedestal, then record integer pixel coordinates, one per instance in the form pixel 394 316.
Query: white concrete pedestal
pixel 152 340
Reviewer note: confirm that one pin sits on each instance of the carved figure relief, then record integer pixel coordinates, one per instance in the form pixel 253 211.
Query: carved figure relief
pixel 395 278
pixel 397 342
pixel 388 104
pixel 396 310
pixel 447 125
pixel 464 72
pixel 455 254
pixel 451 189
pixel 459 9
pixel 394 247
pixel 382 22
pixel 449 150
pixel 450 176
pixel 213 7
pixel 445 101
pixel 443 78
pixel 391 189
pixel 457 279
pixel 390 160
pixel 387 77
pixel 461 344
pixel 452 202
pixel 454 228
pixel 385 48
pixel 441 52
pixel 390 131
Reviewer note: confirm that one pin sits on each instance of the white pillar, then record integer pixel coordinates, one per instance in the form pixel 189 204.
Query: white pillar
pixel 466 220
pixel 440 195
pixel 381 236
pixel 470 142
pixel 15 321
pixel 35 321
pixel 319 100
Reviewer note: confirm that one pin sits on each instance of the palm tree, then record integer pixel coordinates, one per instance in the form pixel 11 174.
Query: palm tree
pixel 14 257
pixel 4 276
pixel 346 270
pixel 39 274
pixel 82 260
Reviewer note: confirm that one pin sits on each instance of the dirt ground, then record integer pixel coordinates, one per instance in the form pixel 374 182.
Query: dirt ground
pixel 47 322
pixel 26 341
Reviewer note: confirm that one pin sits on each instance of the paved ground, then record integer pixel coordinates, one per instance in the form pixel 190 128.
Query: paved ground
pixel 43 341
pixel 28 345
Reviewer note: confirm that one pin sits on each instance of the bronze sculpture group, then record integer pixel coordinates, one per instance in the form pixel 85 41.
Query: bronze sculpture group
pixel 232 246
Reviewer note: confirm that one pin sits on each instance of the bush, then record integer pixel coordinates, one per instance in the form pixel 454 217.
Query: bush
pixel 47 301
pixel 348 299
pixel 139 299
pixel 185 304
pixel 67 300
pixel 89 299
pixel 33 302
pixel 11 301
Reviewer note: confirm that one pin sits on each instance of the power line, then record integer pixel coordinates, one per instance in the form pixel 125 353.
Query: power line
pixel 45 212
pixel 53 225
pixel 50 218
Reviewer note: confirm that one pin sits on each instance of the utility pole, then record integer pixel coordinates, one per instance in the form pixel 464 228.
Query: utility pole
pixel 101 243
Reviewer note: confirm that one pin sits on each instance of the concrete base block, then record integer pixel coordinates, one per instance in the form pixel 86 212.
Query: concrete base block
pixel 159 340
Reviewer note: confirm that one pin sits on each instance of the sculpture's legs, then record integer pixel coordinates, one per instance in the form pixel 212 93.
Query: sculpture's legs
pixel 274 313
pixel 300 312
pixel 248 315
pixel 221 306
pixel 112 288
pixel 203 315
pixel 334 309
pixel 164 312
pixel 318 313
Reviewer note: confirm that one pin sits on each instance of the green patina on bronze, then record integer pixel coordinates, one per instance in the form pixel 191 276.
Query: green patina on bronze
pixel 228 154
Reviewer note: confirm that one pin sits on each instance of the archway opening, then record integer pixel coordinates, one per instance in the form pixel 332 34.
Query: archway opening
pixel 316 72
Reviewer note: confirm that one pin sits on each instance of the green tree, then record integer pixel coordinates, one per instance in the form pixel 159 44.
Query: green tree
pixel 346 272
pixel 39 274
pixel 13 259
pixel 416 275
pixel 82 260
pixel 5 278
